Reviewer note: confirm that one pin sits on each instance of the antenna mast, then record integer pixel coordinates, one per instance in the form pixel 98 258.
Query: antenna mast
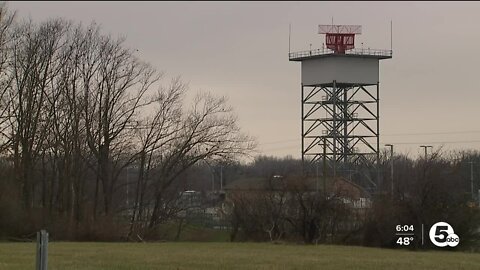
pixel 289 35
pixel 391 35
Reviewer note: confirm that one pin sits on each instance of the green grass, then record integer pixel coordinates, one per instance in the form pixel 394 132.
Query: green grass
pixel 193 233
pixel 189 255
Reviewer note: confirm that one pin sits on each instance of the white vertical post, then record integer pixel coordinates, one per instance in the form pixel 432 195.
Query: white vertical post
pixel 128 205
pixel 42 250
pixel 391 167
pixel 221 177
pixel 316 176
pixel 478 197
pixel 471 180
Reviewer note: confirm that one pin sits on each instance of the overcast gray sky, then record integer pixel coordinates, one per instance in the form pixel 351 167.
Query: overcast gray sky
pixel 430 88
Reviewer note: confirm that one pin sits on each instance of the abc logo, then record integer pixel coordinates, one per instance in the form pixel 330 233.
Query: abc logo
pixel 442 235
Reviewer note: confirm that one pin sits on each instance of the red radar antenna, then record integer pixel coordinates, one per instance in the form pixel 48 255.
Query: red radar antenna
pixel 340 38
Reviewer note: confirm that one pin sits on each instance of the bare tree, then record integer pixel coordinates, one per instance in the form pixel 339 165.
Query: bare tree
pixel 209 130
pixel 155 132
pixel 173 139
pixel 34 67
pixel 114 93
pixel 261 212
pixel 70 104
pixel 6 39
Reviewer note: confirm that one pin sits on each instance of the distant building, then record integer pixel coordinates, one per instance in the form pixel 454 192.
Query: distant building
pixel 346 191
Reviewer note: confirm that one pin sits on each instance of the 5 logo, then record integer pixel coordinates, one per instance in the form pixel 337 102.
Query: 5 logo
pixel 442 235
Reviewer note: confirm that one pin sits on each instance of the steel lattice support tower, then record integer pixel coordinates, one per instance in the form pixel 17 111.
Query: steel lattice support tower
pixel 340 102
pixel 346 118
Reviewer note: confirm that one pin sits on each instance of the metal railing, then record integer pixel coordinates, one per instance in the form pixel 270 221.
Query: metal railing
pixel 325 51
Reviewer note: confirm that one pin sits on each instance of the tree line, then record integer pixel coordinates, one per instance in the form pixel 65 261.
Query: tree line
pixel 77 108
pixel 426 191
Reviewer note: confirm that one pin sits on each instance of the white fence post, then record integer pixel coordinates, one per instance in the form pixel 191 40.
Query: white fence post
pixel 42 250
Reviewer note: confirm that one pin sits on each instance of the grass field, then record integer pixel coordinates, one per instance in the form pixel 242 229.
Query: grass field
pixel 188 255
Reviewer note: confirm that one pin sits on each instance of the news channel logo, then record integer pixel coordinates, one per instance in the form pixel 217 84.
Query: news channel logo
pixel 442 235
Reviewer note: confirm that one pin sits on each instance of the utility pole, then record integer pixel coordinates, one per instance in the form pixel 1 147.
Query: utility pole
pixel 471 179
pixel 425 147
pixel 213 178
pixel 316 174
pixel 221 177
pixel 324 144
pixel 213 175
pixel 391 167
pixel 128 205
pixel 325 167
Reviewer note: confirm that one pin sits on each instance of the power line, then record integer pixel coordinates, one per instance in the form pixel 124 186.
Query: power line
pixel 442 142
pixel 433 133
pixel 275 142
pixel 280 148
pixel 400 143
pixel 392 134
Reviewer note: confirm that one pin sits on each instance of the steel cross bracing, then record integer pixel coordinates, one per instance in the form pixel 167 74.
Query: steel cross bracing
pixel 346 117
